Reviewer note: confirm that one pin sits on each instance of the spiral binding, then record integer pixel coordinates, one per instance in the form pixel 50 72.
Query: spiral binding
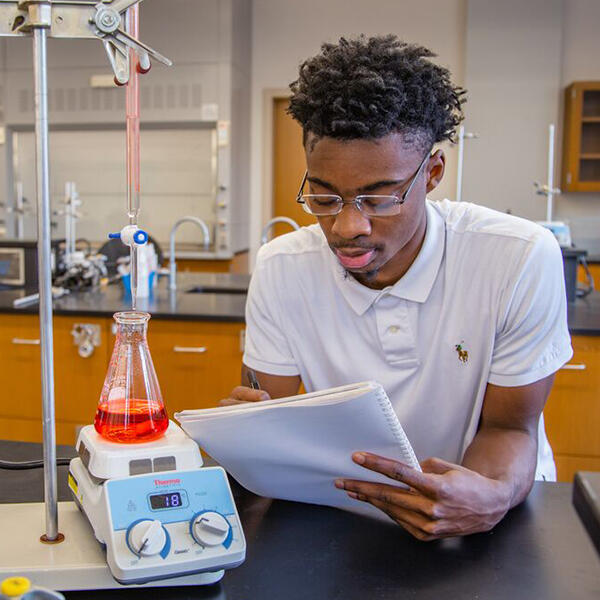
pixel 395 427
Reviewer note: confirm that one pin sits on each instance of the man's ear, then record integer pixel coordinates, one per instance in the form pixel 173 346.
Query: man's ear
pixel 435 169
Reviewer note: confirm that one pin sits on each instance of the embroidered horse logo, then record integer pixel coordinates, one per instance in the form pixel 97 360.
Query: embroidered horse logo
pixel 463 355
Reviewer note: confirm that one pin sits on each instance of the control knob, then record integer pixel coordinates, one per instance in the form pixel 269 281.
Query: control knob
pixel 210 528
pixel 147 538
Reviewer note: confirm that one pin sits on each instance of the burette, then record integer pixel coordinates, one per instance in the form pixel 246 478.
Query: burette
pixel 69 19
pixel 132 109
pixel 138 62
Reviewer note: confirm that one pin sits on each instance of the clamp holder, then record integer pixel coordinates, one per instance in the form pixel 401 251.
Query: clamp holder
pixel 82 19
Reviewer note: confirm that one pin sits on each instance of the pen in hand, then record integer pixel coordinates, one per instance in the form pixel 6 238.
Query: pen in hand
pixel 252 379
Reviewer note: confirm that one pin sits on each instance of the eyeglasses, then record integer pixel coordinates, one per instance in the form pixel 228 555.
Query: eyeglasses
pixel 371 205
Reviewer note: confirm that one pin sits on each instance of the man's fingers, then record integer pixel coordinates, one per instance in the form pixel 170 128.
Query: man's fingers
pixel 414 523
pixel 415 532
pixel 246 394
pixel 437 465
pixel 392 495
pixel 230 402
pixel 242 395
pixel 421 527
pixel 427 483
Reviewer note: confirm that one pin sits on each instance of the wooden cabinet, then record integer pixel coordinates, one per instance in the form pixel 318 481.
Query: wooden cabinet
pixel 197 364
pixel 572 413
pixel 594 271
pixel 77 379
pixel 238 264
pixel 20 372
pixel 581 138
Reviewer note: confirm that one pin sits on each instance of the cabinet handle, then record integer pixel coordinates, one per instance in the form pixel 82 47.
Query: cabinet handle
pixel 86 337
pixel 25 342
pixel 574 367
pixel 198 350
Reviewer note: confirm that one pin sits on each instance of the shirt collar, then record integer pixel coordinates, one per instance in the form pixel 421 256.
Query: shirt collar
pixel 417 282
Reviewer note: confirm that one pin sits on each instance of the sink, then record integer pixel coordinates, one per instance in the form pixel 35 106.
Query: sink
pixel 216 289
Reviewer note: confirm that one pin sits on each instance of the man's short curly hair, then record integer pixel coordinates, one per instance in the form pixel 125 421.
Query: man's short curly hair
pixel 368 87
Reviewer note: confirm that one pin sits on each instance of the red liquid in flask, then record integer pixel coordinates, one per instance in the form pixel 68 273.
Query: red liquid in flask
pixel 132 421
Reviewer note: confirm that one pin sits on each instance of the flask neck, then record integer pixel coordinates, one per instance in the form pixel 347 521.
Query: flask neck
pixel 132 326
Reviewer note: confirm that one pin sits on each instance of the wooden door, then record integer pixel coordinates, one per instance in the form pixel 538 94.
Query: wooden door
pixel 289 164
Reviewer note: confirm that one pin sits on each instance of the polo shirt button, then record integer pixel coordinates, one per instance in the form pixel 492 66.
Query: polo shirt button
pixel 393 329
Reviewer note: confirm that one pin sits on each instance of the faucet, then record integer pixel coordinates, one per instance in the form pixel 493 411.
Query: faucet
pixel 172 263
pixel 267 227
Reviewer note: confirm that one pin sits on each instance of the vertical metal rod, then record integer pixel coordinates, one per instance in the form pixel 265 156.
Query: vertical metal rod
pixel 67 221
pixel 45 279
pixel 20 208
pixel 550 193
pixel 132 110
pixel 461 146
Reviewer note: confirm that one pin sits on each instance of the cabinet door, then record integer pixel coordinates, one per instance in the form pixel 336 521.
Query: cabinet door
pixel 581 137
pixel 197 363
pixel 572 413
pixel 78 379
pixel 20 369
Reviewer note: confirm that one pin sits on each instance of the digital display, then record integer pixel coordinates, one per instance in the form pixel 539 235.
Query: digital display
pixel 170 500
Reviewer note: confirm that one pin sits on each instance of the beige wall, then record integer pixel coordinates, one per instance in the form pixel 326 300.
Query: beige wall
pixel 513 56
pixel 581 62
pixel 513 59
pixel 285 32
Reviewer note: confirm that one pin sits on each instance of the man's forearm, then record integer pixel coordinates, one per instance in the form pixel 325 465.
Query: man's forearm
pixel 507 455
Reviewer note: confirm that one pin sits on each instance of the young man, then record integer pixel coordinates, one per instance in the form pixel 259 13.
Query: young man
pixel 457 310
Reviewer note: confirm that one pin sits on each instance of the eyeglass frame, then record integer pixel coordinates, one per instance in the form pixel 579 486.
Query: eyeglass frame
pixel 358 199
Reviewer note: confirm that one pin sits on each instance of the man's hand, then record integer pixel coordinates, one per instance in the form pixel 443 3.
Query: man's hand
pixel 242 395
pixel 444 500
pixel 272 386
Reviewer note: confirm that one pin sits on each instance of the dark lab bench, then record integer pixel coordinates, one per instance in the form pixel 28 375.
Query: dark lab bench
pixel 540 551
pixel 222 297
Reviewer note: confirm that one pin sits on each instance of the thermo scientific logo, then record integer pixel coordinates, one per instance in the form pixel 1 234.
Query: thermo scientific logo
pixel 159 482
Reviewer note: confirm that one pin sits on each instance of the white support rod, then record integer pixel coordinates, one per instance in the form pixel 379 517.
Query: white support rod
pixel 45 278
pixel 20 208
pixel 550 193
pixel 70 194
pixel 67 220
pixel 461 146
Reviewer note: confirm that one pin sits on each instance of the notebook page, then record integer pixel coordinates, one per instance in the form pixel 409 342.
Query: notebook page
pixel 296 451
pixel 320 396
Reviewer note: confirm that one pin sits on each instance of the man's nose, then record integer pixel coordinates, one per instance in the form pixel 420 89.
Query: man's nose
pixel 351 223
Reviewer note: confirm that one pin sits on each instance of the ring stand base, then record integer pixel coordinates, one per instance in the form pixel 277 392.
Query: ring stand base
pixel 78 563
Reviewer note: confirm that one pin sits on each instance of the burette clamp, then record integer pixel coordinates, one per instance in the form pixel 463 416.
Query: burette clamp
pixel 130 235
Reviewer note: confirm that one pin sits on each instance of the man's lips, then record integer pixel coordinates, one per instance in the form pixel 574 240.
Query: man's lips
pixel 355 258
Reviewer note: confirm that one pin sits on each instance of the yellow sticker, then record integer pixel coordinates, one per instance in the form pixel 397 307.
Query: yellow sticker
pixel 73 485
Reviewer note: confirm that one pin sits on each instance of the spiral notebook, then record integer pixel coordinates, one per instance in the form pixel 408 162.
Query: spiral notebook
pixel 294 448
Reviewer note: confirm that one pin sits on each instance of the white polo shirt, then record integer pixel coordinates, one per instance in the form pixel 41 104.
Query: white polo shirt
pixel 483 302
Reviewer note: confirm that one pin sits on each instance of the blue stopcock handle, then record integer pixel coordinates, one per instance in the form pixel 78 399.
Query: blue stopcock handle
pixel 140 237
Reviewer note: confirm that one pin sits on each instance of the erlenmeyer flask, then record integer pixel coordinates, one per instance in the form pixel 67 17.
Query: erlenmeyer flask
pixel 131 408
